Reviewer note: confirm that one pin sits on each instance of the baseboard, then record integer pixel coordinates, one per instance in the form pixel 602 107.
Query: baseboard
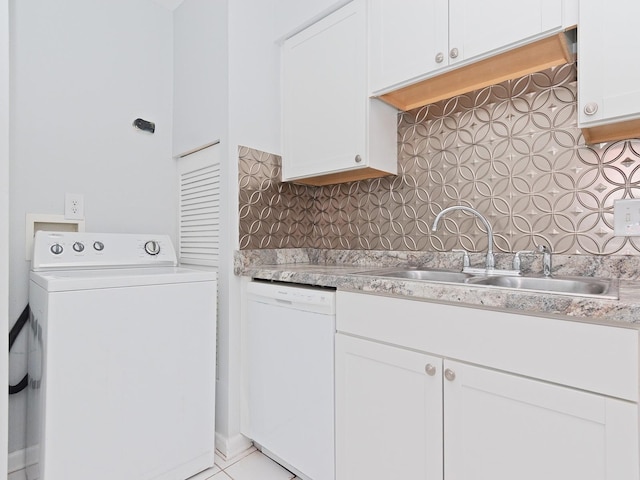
pixel 17 460
pixel 230 447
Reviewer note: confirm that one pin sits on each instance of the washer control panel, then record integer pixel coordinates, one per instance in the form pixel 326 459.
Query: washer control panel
pixel 68 250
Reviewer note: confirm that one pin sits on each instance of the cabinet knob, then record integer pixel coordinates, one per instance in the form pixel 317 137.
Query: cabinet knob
pixel 358 159
pixel 590 108
pixel 449 374
pixel 454 53
pixel 439 57
pixel 430 369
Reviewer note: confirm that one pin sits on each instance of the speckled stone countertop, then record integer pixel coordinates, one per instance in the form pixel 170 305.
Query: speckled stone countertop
pixel 333 268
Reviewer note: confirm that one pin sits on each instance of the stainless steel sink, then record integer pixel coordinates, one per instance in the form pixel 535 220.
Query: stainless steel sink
pixel 590 287
pixel 578 286
pixel 428 275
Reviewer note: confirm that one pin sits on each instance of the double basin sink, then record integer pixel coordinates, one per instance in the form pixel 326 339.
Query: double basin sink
pixel 579 286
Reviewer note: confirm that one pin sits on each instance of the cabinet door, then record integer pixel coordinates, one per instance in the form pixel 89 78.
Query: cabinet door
pixel 608 72
pixel 324 95
pixel 478 28
pixel 408 39
pixel 501 427
pixel 388 412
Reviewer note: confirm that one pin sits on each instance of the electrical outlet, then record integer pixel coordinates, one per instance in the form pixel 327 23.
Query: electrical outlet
pixel 626 217
pixel 73 206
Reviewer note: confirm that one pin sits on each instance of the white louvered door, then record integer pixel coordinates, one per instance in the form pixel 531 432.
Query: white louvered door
pixel 199 222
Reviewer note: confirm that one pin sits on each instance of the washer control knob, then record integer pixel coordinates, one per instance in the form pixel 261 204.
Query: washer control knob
pixel 78 247
pixel 56 249
pixel 152 247
pixel 98 246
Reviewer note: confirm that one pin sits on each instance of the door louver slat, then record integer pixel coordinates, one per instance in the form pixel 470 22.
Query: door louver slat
pixel 200 207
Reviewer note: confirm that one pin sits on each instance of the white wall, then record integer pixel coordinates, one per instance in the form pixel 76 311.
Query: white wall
pixel 4 226
pixel 206 52
pixel 82 71
pixel 200 74
pixel 253 120
pixel 256 28
pixel 292 15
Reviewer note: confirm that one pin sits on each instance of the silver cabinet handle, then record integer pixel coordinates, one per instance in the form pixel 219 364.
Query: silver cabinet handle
pixel 358 159
pixel 430 369
pixel 449 374
pixel 590 108
pixel 439 57
pixel 454 53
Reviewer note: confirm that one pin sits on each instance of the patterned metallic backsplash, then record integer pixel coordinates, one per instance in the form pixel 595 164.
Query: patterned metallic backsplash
pixel 513 151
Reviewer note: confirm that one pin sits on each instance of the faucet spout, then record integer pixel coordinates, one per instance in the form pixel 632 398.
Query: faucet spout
pixel 490 262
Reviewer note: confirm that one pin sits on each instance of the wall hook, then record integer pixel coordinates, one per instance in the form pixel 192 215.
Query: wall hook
pixel 144 125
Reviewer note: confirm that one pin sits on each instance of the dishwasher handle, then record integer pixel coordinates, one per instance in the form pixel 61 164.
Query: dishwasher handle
pixel 303 297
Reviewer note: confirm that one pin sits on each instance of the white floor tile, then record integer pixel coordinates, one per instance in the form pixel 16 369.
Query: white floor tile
pixel 223 464
pixel 221 476
pixel 204 475
pixel 215 469
pixel 258 467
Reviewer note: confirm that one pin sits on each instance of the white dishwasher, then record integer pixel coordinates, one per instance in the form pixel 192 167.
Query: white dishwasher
pixel 290 403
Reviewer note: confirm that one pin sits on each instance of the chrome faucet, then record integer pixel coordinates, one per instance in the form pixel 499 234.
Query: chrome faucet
pixel 546 259
pixel 490 263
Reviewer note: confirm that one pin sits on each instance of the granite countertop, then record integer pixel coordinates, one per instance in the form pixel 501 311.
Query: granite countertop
pixel 625 311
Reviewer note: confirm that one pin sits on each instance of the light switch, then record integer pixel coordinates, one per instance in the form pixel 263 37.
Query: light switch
pixel 626 218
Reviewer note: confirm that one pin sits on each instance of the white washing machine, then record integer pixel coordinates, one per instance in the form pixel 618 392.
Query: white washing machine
pixel 121 360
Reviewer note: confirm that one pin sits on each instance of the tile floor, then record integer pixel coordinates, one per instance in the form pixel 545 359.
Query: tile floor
pixel 250 465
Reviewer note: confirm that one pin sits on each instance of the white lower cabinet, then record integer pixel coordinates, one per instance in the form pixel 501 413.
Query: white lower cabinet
pixel 388 412
pixel 402 413
pixel 499 426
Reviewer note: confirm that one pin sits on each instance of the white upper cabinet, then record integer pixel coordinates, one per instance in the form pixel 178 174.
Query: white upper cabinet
pixel 608 70
pixel 332 131
pixel 480 28
pixel 407 37
pixel 414 39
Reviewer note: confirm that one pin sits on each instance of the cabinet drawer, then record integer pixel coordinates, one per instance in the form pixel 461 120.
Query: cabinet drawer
pixel 596 358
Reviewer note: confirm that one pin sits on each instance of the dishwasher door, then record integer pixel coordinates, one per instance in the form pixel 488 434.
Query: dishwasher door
pixel 290 345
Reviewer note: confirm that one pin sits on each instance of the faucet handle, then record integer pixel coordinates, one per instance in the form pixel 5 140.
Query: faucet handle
pixel 465 257
pixel 516 259
pixel 546 259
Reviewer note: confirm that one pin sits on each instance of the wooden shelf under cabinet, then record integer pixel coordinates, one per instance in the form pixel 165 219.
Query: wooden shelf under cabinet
pixel 611 132
pixel 536 56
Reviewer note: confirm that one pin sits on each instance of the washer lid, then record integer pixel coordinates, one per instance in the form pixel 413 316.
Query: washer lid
pixel 69 280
